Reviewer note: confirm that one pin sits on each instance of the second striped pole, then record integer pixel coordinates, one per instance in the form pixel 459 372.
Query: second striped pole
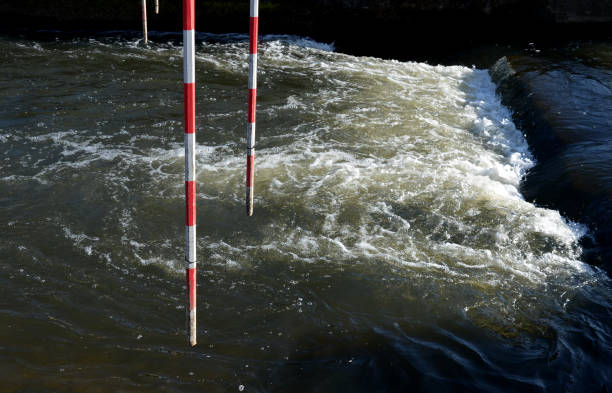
pixel 190 185
pixel 250 173
pixel 145 34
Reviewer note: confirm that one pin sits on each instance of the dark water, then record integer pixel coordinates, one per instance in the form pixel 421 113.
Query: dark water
pixel 562 98
pixel 391 248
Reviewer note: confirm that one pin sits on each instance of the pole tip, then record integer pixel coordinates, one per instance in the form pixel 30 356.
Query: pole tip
pixel 249 201
pixel 191 328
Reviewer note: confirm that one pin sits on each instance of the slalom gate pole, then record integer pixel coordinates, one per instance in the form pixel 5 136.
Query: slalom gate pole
pixel 250 173
pixel 157 6
pixel 144 21
pixel 190 145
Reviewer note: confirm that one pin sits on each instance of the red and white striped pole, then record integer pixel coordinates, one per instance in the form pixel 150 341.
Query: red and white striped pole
pixel 250 174
pixel 190 187
pixel 144 21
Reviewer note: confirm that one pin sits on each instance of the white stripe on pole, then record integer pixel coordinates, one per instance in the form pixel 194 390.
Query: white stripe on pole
pixel 190 236
pixel 250 135
pixel 254 8
pixel 189 56
pixel 253 75
pixel 190 161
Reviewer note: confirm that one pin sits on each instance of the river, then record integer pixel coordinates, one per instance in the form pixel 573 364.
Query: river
pixel 391 248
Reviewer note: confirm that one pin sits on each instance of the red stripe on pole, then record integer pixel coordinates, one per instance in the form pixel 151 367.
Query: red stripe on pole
pixel 253 30
pixel 252 104
pixel 190 203
pixel 189 93
pixel 191 285
pixel 250 175
pixel 188 14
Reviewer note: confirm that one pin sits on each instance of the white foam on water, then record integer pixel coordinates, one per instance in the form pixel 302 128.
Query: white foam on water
pixel 400 163
pixel 80 240
pixel 302 42
pixel 487 174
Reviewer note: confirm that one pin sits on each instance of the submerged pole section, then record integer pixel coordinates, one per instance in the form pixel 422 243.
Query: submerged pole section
pixel 144 21
pixel 250 174
pixel 190 186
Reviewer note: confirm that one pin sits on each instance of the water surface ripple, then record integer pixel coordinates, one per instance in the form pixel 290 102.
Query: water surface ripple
pixel 391 249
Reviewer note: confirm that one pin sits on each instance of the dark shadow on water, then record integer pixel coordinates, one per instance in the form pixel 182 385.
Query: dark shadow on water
pixel 562 101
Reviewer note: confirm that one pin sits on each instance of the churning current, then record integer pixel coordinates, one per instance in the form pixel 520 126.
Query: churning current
pixel 390 249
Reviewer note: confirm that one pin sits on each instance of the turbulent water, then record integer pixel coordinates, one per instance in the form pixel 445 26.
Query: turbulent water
pixel 391 249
